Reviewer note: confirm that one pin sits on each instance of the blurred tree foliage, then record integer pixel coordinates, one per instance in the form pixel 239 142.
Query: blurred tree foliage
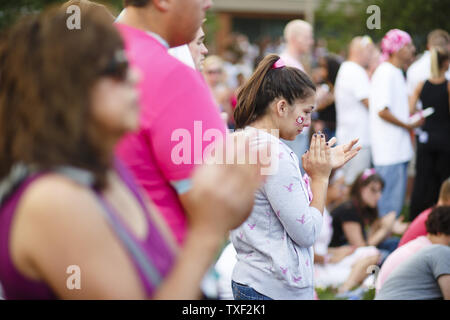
pixel 338 23
pixel 10 10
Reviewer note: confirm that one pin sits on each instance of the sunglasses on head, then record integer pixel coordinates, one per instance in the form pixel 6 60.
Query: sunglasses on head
pixel 118 65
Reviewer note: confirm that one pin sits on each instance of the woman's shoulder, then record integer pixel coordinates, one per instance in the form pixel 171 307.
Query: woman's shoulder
pixel 55 187
pixel 53 213
pixel 55 200
pixel 344 208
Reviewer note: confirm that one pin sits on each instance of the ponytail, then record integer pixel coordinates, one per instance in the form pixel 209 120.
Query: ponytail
pixel 265 85
pixel 438 56
pixel 246 111
pixel 434 63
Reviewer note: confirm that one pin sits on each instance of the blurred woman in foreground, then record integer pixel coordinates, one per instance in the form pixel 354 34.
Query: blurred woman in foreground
pixel 68 208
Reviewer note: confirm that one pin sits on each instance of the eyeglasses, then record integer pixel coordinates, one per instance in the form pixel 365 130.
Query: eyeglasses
pixel 214 71
pixel 375 190
pixel 117 66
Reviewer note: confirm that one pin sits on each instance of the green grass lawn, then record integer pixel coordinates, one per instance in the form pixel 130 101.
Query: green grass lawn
pixel 330 294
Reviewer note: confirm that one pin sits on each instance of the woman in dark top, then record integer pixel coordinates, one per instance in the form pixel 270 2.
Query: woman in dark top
pixel 433 143
pixel 356 221
pixel 326 108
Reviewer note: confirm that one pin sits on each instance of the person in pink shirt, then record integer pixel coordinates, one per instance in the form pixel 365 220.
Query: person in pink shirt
pixel 417 227
pixel 178 118
pixel 438 232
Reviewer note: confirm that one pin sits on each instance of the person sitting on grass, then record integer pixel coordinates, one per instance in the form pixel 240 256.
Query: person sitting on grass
pixel 343 267
pixel 356 221
pixel 438 232
pixel 424 276
pixel 417 227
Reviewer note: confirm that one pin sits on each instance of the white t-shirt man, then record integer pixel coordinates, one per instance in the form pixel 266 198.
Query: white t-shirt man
pixel 390 144
pixel 352 116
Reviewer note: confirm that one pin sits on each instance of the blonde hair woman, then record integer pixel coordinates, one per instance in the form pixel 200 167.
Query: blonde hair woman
pixel 433 146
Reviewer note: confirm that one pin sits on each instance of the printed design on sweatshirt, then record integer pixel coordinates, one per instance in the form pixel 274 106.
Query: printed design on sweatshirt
pixel 269 269
pixel 302 220
pixel 289 188
pixel 284 270
pixel 297 279
pixel 251 226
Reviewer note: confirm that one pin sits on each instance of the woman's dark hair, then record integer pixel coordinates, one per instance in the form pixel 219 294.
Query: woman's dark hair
pixel 265 85
pixel 333 64
pixel 136 3
pixel 439 221
pixel 47 72
pixel 363 180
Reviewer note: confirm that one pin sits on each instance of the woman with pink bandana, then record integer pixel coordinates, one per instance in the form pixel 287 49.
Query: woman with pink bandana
pixel 389 119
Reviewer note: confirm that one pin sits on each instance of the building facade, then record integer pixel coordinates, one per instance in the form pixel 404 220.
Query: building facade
pixel 258 18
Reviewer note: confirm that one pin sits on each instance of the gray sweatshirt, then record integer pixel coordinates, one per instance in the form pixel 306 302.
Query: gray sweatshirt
pixel 274 246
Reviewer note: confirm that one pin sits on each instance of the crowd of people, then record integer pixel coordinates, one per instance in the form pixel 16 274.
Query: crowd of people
pixel 109 141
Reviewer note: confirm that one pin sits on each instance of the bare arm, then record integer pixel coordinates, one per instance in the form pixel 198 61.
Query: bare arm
pixel 414 98
pixel 354 234
pixel 377 236
pixel 386 115
pixel 319 259
pixel 381 229
pixel 444 284
pixel 51 235
pixel 365 102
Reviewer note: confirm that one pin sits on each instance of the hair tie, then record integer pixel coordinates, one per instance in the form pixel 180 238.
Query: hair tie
pixel 279 64
pixel 367 173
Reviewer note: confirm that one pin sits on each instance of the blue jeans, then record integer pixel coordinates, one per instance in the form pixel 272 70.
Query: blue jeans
pixel 243 292
pixel 395 178
pixel 387 247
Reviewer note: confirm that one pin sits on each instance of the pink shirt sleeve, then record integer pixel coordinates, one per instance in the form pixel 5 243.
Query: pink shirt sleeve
pixel 182 123
pixel 416 229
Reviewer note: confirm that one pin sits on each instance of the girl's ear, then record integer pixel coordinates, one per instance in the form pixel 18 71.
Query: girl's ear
pixel 281 107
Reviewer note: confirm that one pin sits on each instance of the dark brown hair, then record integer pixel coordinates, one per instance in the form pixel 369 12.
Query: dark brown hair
pixel 136 3
pixel 362 180
pixel 265 85
pixel 439 221
pixel 46 75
